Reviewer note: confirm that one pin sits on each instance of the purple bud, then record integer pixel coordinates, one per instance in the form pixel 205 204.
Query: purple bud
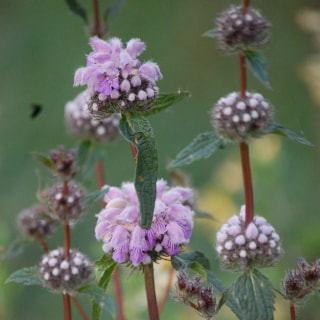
pixel 252 231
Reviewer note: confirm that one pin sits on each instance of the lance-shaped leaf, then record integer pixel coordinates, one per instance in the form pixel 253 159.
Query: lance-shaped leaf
pixel 210 33
pixel 201 147
pixel 166 100
pixel 258 65
pixel 101 299
pixel 254 295
pixel 44 160
pixel 104 269
pixel 15 249
pixel 192 260
pixel 137 130
pixel 278 129
pixel 95 196
pixel 77 9
pixel 27 276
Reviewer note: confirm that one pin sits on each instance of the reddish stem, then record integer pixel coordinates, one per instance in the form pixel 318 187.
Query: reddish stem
pixel 66 230
pixel 79 308
pixel 167 290
pixel 151 293
pixel 96 28
pixel 66 306
pixel 243 75
pixel 134 153
pixel 115 276
pixel 247 182
pixel 246 4
pixel 43 245
pixel 292 312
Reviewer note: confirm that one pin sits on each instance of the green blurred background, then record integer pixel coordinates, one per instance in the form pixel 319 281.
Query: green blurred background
pixel 42 44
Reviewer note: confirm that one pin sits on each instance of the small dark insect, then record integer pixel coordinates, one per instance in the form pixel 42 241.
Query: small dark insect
pixel 36 109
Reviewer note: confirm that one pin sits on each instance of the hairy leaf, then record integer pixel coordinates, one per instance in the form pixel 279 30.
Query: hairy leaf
pixel 166 100
pixel 77 9
pixel 185 259
pixel 44 160
pixel 101 299
pixel 15 249
pixel 201 147
pixel 104 269
pixel 254 295
pixel 137 130
pixel 27 276
pixel 210 33
pixel 95 196
pixel 278 129
pixel 258 65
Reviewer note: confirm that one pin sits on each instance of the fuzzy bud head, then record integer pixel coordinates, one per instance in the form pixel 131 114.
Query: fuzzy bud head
pixel 64 162
pixel 235 119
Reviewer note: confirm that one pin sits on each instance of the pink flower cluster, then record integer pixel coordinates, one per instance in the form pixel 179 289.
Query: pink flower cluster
pixel 118 224
pixel 116 79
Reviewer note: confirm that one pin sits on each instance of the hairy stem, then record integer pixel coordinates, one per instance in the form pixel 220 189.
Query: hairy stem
pixel 246 4
pixel 115 277
pixel 43 245
pixel 167 290
pixel 243 75
pixel 292 312
pixel 66 306
pixel 150 291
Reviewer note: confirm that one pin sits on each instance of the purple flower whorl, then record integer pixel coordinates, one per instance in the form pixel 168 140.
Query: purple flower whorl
pixel 242 248
pixel 80 123
pixel 117 81
pixel 118 224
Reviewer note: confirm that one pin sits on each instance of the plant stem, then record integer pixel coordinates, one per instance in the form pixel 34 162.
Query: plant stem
pixel 115 276
pixel 247 182
pixel 43 245
pixel 96 29
pixel 66 231
pixel 79 308
pixel 150 291
pixel 244 148
pixel 66 306
pixel 134 152
pixel 292 312
pixel 167 290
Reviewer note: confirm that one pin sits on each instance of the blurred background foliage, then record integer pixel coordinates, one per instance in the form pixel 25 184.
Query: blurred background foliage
pixel 42 44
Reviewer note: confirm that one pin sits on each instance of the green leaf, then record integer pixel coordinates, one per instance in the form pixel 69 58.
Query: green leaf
pixel 104 269
pixel 77 9
pixel 113 10
pixel 223 299
pixel 278 129
pixel 27 276
pixel 254 295
pixel 15 249
pixel 201 147
pixel 185 259
pixel 166 100
pixel 101 298
pixel 137 130
pixel 258 66
pixel 44 160
pixel 95 196
pixel 210 33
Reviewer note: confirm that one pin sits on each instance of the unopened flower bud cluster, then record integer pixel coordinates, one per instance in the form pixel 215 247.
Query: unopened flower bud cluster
pixel 80 123
pixel 66 205
pixel 238 119
pixel 117 81
pixel 195 293
pixel 242 248
pixel 62 274
pixel 239 31
pixel 35 224
pixel 64 161
pixel 300 283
